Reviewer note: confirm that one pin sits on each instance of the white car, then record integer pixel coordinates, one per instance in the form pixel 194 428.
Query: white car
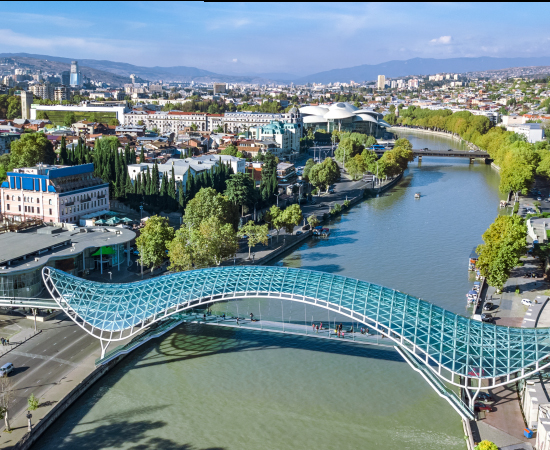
pixel 526 302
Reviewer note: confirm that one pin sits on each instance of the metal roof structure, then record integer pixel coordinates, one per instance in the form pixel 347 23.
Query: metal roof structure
pixel 456 349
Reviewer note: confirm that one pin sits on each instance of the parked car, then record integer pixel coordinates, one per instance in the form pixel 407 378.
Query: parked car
pixel 6 369
pixel 526 302
pixel 478 406
pixel 306 227
pixel 331 191
pixel 486 318
pixel 449 149
pixel 487 306
pixel 298 233
pixel 539 199
pixel 484 397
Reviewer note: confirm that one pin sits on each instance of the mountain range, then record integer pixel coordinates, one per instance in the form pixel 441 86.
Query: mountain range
pixel 118 73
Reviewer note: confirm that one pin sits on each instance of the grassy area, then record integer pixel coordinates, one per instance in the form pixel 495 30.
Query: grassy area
pixel 57 117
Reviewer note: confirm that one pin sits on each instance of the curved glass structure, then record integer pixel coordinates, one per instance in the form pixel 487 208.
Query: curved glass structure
pixel 454 347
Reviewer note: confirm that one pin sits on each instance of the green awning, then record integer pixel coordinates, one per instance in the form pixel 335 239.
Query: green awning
pixel 105 251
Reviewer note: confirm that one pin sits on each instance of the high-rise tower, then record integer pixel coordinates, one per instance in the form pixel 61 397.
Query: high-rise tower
pixel 75 75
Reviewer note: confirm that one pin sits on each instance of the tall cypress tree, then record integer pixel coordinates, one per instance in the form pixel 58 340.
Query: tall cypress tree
pixel 141 156
pixel 155 179
pixel 164 192
pixel 181 196
pixel 172 191
pixel 63 155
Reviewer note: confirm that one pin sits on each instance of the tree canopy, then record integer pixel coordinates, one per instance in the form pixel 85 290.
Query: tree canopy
pixel 152 241
pixel 31 149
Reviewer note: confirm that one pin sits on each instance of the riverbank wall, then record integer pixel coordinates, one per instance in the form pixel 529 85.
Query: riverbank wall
pixel 445 134
pixel 30 438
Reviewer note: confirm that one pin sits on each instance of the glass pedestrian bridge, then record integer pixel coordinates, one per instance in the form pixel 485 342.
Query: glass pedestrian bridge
pixel 458 350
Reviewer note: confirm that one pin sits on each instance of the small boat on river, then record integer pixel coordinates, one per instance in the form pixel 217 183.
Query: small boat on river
pixel 417 195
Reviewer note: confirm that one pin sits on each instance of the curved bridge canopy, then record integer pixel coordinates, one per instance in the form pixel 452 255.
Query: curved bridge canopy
pixel 450 344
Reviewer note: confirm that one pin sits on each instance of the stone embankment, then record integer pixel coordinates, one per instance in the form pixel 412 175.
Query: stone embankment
pixel 445 134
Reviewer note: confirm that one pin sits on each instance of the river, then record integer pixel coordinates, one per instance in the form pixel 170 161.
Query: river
pixel 203 387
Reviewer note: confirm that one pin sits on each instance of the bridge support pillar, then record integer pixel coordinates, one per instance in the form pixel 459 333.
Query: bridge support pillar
pixel 472 160
pixel 419 159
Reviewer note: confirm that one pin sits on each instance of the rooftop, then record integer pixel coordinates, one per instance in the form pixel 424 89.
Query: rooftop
pixel 34 248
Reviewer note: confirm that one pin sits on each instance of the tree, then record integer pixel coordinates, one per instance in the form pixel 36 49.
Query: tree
pixel 42 115
pixel 307 168
pixel 208 203
pixel 292 216
pixel 206 245
pixel 504 243
pixel 32 403
pixel 274 216
pixel 230 150
pixel 6 396
pixel 324 174
pixel 255 234
pixel 313 221
pixel 194 126
pixel 69 119
pixel 152 241
pixel 240 190
pixel 114 122
pixel 30 150
pixel 63 155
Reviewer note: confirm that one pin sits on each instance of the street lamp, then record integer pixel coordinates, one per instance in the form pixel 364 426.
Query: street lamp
pixel 110 275
pixel 29 417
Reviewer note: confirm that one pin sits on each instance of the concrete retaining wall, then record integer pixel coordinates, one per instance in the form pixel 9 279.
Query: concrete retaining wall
pixel 30 438
pixel 282 249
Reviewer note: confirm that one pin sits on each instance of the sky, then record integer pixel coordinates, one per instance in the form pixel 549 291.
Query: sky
pixel 255 38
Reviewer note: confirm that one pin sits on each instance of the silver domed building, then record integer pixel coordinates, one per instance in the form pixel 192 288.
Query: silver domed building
pixel 343 117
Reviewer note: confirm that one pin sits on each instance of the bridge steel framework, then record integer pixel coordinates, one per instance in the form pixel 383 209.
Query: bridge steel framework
pixel 456 349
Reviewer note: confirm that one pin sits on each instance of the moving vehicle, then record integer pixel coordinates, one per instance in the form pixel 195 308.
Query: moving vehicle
pixel 487 306
pixel 377 147
pixel 486 318
pixel 449 149
pixel 526 302
pixel 6 369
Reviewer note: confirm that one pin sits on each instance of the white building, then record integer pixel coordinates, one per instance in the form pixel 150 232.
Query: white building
pixel 381 82
pixel 285 135
pixel 173 121
pixel 235 122
pixel 86 108
pixel 533 132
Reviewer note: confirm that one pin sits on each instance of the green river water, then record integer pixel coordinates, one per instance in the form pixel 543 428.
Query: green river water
pixel 202 387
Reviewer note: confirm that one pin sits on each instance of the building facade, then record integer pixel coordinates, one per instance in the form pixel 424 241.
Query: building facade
pixel 285 135
pixel 235 122
pixel 381 84
pixel 54 194
pixel 26 102
pixel 5 141
pixel 44 91
pixel 75 76
pixel 173 121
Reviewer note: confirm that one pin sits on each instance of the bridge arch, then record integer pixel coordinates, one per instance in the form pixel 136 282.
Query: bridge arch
pixel 456 349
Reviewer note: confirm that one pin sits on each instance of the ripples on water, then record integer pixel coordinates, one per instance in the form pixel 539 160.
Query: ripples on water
pixel 213 388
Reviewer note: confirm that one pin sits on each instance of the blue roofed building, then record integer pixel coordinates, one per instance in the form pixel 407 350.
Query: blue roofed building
pixel 53 193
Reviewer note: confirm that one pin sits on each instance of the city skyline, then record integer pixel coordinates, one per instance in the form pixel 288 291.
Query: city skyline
pixel 274 38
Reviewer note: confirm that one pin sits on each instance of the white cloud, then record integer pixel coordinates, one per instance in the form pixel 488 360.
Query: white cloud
pixel 235 60
pixel 58 21
pixel 441 40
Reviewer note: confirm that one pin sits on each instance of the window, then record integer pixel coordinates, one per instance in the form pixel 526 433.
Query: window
pixel 25 209
pixel 37 200
pixel 19 208
pixel 50 211
pixel 8 207
pixel 18 199
pixel 50 202
pixel 37 210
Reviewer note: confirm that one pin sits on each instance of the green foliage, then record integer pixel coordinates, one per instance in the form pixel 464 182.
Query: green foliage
pixel 292 216
pixel 208 203
pixel 69 119
pixel 346 204
pixel 204 245
pixel 231 150
pixel 240 189
pixel 42 115
pixel 324 174
pixel 313 221
pixel 32 403
pixel 486 445
pixel 307 168
pixel 504 243
pixel 337 209
pixel 30 150
pixel 10 107
pixel 516 207
pixel 152 241
pixel 256 234
pixel 114 122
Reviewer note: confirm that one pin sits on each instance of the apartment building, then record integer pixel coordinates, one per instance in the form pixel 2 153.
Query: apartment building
pixel 57 194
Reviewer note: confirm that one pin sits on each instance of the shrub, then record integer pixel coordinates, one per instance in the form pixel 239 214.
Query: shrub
pixel 516 207
pixel 346 203
pixel 336 210
pixel 325 216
